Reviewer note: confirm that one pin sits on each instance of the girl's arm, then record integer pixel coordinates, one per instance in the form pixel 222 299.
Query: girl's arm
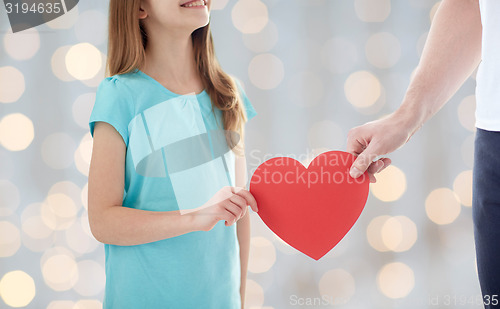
pixel 112 223
pixel 243 227
pixel 243 230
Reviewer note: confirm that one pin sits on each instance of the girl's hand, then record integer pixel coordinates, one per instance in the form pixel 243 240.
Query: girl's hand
pixel 230 208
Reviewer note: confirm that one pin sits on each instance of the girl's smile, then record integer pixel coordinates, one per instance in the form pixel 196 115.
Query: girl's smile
pixel 195 4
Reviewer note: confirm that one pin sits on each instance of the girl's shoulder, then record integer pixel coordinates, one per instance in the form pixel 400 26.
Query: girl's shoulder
pixel 122 78
pixel 122 84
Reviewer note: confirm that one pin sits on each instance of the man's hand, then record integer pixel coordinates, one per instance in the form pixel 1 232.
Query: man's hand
pixel 374 139
pixel 451 53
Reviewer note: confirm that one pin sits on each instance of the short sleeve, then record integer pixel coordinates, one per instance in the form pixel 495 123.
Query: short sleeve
pixel 112 105
pixel 250 111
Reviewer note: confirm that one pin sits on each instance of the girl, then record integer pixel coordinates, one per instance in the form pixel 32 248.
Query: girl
pixel 155 159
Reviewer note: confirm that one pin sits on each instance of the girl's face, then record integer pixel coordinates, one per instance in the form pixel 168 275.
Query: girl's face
pixel 175 15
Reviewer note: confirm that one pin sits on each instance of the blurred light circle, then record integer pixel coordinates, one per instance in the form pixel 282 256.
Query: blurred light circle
pixel 218 4
pixel 374 233
pixel 22 45
pixel 30 211
pixel 396 280
pixel 58 150
pixel 17 289
pixel 58 64
pixel 60 272
pixel 84 222
pixel 305 89
pixel 466 113
pixel 84 195
pixel 392 233
pixel 266 71
pixel 337 285
pixel 442 206
pixel 35 228
pixel 57 250
pixel 339 55
pixel 83 61
pixel 262 255
pixel 58 211
pixel 254 295
pixel 383 50
pixel 372 10
pixel 97 79
pixel 91 278
pixel 390 185
pixel 78 240
pixel 434 9
pixel 16 132
pixel 326 134
pixel 37 245
pixel 68 188
pixel 399 233
pixel 91 27
pixel 36 236
pixel 82 108
pixel 262 41
pixel 463 187
pixel 9 198
pixel 467 150
pixel 12 84
pixel 362 89
pixel 10 241
pixel 88 304
pixel 250 16
pixel 65 21
pixel 83 154
pixel 61 304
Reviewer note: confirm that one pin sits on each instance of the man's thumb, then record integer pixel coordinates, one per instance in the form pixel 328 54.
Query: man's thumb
pixel 363 161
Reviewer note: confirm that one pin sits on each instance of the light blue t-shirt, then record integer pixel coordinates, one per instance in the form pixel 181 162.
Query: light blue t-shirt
pixel 163 172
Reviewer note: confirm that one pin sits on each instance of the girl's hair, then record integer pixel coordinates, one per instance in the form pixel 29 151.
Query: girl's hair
pixel 126 53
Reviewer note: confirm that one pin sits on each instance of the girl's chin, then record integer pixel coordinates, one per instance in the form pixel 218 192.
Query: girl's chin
pixel 199 23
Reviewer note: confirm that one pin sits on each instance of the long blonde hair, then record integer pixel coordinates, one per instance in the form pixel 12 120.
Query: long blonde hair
pixel 127 41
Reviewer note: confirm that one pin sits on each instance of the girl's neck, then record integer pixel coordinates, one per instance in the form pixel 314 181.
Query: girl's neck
pixel 170 60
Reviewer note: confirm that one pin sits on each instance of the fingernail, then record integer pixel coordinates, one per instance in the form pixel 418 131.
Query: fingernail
pixel 355 172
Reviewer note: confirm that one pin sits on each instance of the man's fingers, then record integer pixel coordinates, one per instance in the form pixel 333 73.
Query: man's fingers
pixel 372 178
pixel 375 167
pixel 363 161
pixel 387 162
pixel 379 165
pixel 354 145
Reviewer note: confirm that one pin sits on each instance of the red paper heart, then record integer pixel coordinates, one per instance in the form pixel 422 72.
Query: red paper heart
pixel 312 208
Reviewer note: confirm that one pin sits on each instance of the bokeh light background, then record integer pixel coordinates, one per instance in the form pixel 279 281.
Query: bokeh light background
pixel 313 69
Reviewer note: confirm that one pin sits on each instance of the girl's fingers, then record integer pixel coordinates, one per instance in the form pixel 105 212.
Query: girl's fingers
pixel 227 216
pixel 238 200
pixel 234 209
pixel 250 200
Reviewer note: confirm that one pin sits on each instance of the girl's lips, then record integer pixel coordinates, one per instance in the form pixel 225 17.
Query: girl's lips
pixel 194 4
